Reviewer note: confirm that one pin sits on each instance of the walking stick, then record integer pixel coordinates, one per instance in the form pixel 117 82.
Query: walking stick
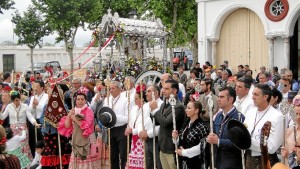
pixel 142 100
pixel 284 110
pixel 128 98
pixel 154 135
pixel 35 128
pixel 59 151
pixel 107 83
pixel 172 102
pixel 211 105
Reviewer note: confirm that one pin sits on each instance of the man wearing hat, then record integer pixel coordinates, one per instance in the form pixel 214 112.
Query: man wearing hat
pixel 118 141
pixel 226 154
pixel 255 120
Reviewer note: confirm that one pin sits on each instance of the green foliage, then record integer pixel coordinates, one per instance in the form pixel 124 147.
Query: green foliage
pixel 179 17
pixel 6 4
pixel 66 16
pixel 30 28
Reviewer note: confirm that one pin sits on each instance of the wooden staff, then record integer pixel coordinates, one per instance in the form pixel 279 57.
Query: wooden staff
pixel 59 150
pixel 107 83
pixel 211 105
pixel 172 102
pixel 142 102
pixel 12 85
pixel 284 110
pixel 128 99
pixel 154 135
pixel 34 110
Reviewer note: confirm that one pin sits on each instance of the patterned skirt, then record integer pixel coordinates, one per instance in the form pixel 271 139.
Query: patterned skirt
pixel 136 155
pixel 25 143
pixel 24 160
pixel 50 156
pixel 91 162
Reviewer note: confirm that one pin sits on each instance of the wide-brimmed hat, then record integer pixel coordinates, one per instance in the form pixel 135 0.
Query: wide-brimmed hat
pixel 281 166
pixel 238 134
pixel 107 117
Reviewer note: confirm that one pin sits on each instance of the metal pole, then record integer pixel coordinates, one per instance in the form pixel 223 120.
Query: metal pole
pixel 172 102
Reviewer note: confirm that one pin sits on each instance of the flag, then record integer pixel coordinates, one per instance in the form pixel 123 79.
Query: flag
pixel 55 109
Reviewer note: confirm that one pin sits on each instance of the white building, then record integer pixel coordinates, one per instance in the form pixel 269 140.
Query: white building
pixel 253 32
pixel 17 58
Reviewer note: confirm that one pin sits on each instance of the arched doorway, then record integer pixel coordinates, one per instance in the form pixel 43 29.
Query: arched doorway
pixel 243 41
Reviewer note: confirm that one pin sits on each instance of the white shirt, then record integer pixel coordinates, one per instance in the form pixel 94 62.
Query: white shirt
pixel 119 105
pixel 276 135
pixel 182 89
pixel 132 94
pixel 213 75
pixel 148 122
pixel 244 105
pixel 36 160
pixel 43 100
pixel 11 111
pixel 15 141
pixel 136 121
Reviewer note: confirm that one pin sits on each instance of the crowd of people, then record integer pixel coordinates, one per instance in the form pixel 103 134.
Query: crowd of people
pixel 144 114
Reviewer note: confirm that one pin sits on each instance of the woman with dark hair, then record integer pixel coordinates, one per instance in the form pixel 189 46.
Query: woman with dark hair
pixel 80 123
pixel 18 113
pixel 50 156
pixel 192 143
pixel 276 98
pixel 136 155
pixel 6 160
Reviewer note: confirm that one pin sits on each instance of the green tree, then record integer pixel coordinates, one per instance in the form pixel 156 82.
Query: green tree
pixel 5 5
pixel 30 28
pixel 65 17
pixel 180 18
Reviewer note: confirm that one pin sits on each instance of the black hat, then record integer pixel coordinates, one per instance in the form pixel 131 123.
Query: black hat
pixel 238 134
pixel 107 117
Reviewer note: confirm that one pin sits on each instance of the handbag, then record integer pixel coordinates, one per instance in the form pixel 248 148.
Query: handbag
pixel 95 149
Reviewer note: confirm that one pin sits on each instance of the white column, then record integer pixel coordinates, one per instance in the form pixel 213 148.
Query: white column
pixel 214 53
pixel 286 52
pixel 271 52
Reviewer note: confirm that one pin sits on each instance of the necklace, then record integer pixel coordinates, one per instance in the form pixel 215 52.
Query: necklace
pixel 18 111
pixel 114 103
pixel 255 123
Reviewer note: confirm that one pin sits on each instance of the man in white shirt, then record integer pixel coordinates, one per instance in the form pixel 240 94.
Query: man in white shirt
pixel 118 141
pixel 36 106
pixel 243 100
pixel 255 120
pixel 149 133
pixel 132 90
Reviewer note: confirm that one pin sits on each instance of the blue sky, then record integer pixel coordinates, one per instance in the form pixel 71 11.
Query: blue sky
pixel 6 26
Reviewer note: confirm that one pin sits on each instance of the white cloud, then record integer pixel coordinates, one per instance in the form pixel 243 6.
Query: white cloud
pixel 6 27
pixel 6 30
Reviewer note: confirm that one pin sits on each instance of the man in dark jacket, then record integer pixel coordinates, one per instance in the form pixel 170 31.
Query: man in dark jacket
pixel 165 119
pixel 227 156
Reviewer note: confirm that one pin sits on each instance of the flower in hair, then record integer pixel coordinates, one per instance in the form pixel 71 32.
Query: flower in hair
pixel 83 90
pixel 7 89
pixel 138 88
pixel 14 93
pixel 3 141
pixel 296 101
pixel 196 96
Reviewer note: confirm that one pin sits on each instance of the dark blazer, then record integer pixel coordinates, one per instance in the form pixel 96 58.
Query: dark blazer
pixel 165 119
pixel 226 154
